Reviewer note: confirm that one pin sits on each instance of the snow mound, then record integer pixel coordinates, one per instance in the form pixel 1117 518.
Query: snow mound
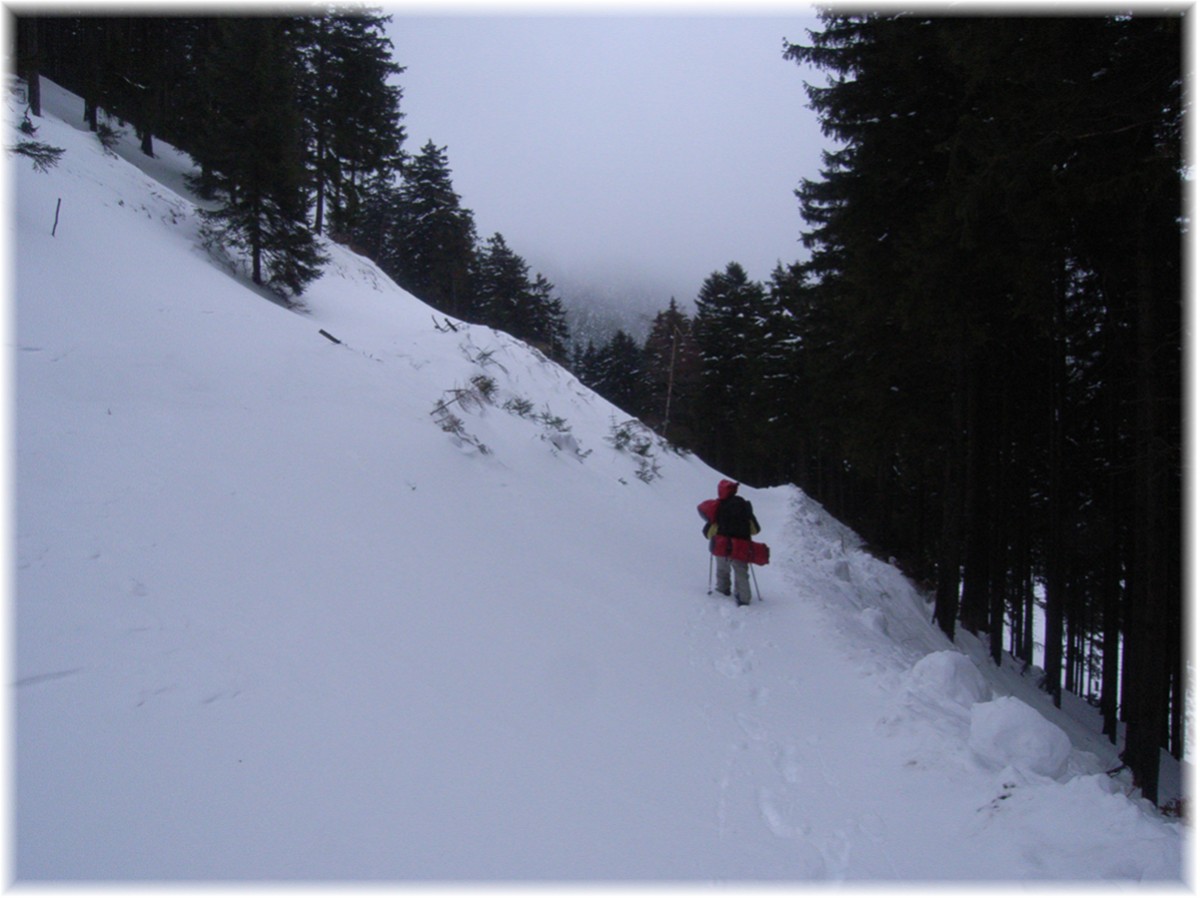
pixel 1008 732
pixel 947 678
pixel 874 619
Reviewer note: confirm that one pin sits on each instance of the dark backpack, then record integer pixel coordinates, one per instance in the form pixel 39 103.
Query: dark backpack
pixel 735 518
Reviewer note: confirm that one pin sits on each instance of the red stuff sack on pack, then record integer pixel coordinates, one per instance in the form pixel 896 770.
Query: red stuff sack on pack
pixel 746 551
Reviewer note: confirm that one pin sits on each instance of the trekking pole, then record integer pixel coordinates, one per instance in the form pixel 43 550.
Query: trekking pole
pixel 754 578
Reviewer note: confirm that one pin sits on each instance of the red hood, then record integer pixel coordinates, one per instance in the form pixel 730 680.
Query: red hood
pixel 726 489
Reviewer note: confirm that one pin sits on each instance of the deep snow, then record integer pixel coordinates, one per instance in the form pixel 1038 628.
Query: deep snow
pixel 271 621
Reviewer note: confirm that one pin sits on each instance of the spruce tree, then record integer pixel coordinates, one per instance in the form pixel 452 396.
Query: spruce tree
pixel 584 363
pixel 548 330
pixel 671 363
pixel 617 373
pixel 433 239
pixel 501 289
pixel 376 230
pixel 728 336
pixel 781 438
pixel 254 152
pixel 351 110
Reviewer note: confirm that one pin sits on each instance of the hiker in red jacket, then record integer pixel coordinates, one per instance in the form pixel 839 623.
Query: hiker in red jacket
pixel 731 524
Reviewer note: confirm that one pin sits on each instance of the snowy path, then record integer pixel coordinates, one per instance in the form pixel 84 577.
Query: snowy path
pixel 799 765
pixel 852 740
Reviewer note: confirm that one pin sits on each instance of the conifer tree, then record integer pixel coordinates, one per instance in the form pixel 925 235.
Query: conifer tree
pixel 505 298
pixel 782 400
pixel 671 363
pixel 501 287
pixel 376 229
pixel 728 336
pixel 433 238
pixel 140 62
pixel 182 115
pixel 617 373
pixel 254 152
pixel 351 110
pixel 548 330
pixel 584 362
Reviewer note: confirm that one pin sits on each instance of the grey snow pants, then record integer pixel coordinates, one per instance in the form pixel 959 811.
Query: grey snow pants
pixel 740 577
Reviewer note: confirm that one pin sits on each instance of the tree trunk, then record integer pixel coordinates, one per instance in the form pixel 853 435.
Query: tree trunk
pixel 1111 600
pixel 319 205
pixel 28 60
pixel 1055 544
pixel 1147 722
pixel 976 502
pixel 949 572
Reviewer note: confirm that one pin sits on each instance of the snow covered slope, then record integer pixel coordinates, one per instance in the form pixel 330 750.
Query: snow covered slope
pixel 276 617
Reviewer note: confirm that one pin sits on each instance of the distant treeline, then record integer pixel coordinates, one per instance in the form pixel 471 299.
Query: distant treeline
pixel 979 367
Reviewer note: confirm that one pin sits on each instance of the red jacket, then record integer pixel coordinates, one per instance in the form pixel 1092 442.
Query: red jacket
pixel 730 526
pixel 710 512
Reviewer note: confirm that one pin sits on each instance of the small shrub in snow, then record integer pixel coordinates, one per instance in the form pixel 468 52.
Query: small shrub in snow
pixel 43 156
pixel 472 398
pixel 647 469
pixel 447 420
pixel 557 432
pixel 453 424
pixel 552 422
pixel 481 358
pixel 108 137
pixel 485 387
pixel 519 406
pixel 631 436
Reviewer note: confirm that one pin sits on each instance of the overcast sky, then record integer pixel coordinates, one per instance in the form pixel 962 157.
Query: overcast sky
pixel 634 153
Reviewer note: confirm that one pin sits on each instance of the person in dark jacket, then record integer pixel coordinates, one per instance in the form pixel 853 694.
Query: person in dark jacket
pixel 730 516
